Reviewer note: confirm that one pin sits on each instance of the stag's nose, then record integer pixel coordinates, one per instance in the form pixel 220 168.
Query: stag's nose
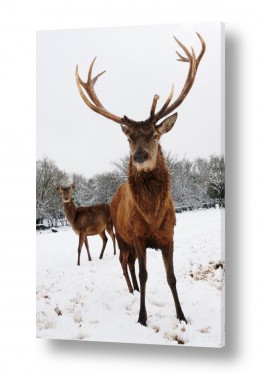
pixel 140 156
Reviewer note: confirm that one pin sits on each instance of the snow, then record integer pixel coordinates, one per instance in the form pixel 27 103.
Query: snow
pixel 92 302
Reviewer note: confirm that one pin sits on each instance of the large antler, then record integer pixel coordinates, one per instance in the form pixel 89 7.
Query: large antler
pixel 89 88
pixel 193 65
pixel 94 103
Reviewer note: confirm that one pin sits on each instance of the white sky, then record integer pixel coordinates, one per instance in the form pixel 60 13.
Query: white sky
pixel 140 62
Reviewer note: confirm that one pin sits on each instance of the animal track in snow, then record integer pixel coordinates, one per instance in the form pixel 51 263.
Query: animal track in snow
pixel 214 273
pixel 205 330
pixel 178 333
pixel 44 321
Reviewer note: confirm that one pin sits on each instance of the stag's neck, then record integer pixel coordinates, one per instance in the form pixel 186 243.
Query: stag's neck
pixel 70 211
pixel 150 189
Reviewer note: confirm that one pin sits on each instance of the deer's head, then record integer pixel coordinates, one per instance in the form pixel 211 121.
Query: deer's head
pixel 143 140
pixel 144 136
pixel 65 192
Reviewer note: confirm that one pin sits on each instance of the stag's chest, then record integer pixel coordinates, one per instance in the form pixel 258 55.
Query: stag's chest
pixel 153 223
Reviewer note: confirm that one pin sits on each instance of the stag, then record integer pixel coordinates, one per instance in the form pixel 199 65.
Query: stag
pixel 142 209
pixel 87 221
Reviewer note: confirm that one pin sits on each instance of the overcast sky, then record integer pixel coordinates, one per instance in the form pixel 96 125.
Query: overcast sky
pixel 140 62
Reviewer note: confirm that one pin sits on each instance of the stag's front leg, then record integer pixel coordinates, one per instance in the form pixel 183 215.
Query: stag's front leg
pixel 141 255
pixel 167 254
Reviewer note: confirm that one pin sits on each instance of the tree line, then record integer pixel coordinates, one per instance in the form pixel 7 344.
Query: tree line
pixel 194 185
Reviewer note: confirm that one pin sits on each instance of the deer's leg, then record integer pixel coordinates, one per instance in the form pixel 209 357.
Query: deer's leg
pixel 87 248
pixel 123 258
pixel 80 245
pixel 110 231
pixel 141 255
pixel 131 265
pixel 104 238
pixel 167 254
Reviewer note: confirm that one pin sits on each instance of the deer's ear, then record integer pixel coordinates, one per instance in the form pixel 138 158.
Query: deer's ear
pixel 125 129
pixel 73 185
pixel 166 125
pixel 57 186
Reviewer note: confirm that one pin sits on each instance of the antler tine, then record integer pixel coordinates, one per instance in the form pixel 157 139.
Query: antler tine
pixel 153 107
pixel 89 85
pixel 184 48
pixel 193 65
pixel 181 58
pixel 80 83
pixel 203 48
pixel 95 105
pixel 92 101
pixel 165 106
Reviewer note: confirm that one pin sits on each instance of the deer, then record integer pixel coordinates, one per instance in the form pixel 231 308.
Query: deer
pixel 142 209
pixel 87 221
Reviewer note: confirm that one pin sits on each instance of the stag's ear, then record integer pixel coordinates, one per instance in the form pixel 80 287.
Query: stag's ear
pixel 57 186
pixel 73 185
pixel 167 124
pixel 125 129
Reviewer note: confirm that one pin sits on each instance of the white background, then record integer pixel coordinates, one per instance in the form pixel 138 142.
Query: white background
pixel 21 352
pixel 140 62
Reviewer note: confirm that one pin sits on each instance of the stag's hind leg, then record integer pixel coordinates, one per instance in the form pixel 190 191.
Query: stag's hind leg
pixel 109 229
pixel 87 248
pixel 123 258
pixel 104 238
pixel 131 265
pixel 167 254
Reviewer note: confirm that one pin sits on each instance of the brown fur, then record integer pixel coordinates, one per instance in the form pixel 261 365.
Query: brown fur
pixel 87 221
pixel 142 209
pixel 143 213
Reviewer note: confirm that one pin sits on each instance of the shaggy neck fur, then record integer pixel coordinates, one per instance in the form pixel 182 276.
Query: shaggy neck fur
pixel 150 189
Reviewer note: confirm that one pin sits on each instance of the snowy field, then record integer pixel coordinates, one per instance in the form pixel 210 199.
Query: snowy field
pixel 92 302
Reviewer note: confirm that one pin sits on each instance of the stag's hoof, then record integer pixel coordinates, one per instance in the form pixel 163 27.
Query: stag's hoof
pixel 142 322
pixel 182 318
pixel 142 319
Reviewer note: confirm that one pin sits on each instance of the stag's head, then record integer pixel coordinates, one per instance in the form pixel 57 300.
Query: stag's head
pixel 143 136
pixel 65 192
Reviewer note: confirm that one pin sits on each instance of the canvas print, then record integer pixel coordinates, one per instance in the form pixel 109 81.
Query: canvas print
pixel 130 185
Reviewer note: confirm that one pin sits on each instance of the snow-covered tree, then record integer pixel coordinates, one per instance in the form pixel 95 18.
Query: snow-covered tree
pixel 216 179
pixel 193 184
pixel 104 187
pixel 48 204
pixel 82 191
pixel 200 178
pixel 121 169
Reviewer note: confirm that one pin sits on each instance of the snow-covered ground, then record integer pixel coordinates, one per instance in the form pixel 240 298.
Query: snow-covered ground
pixel 92 302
